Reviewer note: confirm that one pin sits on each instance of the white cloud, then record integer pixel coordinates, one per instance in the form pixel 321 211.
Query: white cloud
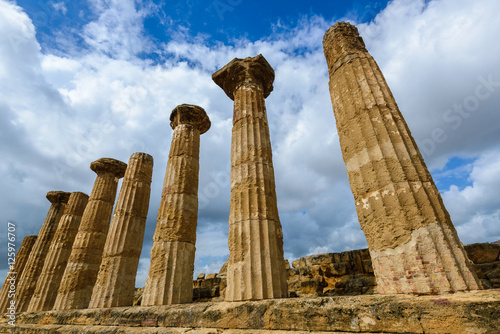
pixel 61 111
pixel 476 209
pixel 60 6
pixel 435 55
pixel 118 31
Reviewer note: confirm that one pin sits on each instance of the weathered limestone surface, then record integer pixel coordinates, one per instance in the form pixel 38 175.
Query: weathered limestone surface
pixel 483 252
pixel 351 273
pixel 256 268
pixel 33 268
pixel 172 256
pixel 13 275
pixel 412 241
pixel 163 330
pixel 116 279
pixel 210 288
pixel 57 257
pixel 81 271
pixel 463 312
pixel 333 274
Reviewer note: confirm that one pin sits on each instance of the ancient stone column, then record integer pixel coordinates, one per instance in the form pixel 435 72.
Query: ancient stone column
pixel 116 279
pixel 170 278
pixel 413 244
pixel 81 271
pixel 57 257
pixel 14 274
pixel 256 268
pixel 33 268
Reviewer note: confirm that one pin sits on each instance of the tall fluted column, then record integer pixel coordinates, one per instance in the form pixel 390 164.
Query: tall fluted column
pixel 14 274
pixel 81 271
pixel 29 278
pixel 172 256
pixel 116 279
pixel 57 258
pixel 413 244
pixel 256 268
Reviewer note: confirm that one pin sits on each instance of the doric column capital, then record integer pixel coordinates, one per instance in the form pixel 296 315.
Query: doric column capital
pixel 190 114
pixel 254 70
pixel 55 197
pixel 108 165
pixel 340 40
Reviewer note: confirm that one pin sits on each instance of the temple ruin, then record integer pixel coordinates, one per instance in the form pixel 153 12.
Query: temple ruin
pixel 83 265
pixel 20 262
pixel 48 282
pixel 414 277
pixel 172 256
pixel 115 282
pixel 34 265
pixel 256 268
pixel 412 241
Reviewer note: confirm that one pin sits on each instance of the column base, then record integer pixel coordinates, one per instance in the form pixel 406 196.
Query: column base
pixel 256 268
pixel 432 262
pixel 170 279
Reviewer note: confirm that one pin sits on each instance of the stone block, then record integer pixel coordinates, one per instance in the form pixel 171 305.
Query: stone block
pixel 483 252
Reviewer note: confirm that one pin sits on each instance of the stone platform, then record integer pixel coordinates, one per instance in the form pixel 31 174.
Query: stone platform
pixel 465 312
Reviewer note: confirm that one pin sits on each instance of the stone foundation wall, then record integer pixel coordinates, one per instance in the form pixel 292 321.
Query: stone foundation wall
pixel 334 274
pixel 463 312
pixel 486 259
pixel 209 288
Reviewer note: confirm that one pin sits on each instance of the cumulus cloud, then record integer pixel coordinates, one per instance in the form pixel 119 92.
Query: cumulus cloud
pixel 118 31
pixel 60 6
pixel 439 60
pixel 61 110
pixel 476 208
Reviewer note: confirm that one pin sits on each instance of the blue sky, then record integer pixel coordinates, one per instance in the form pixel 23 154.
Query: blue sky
pixel 223 20
pixel 81 80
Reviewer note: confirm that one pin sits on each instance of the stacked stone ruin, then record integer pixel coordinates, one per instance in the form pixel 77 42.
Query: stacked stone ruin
pixel 85 257
pixel 115 281
pixel 172 255
pixel 256 268
pixel 413 244
pixel 57 258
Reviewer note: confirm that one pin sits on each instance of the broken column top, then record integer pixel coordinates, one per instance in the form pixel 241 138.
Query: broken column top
pixel 77 203
pixel 190 114
pixel 140 167
pixel 238 71
pixel 343 38
pixel 108 165
pixel 142 156
pixel 55 197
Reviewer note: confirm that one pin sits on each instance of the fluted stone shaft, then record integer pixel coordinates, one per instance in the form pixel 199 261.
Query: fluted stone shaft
pixel 116 279
pixel 14 274
pixel 33 268
pixel 413 244
pixel 256 268
pixel 57 257
pixel 172 256
pixel 81 271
